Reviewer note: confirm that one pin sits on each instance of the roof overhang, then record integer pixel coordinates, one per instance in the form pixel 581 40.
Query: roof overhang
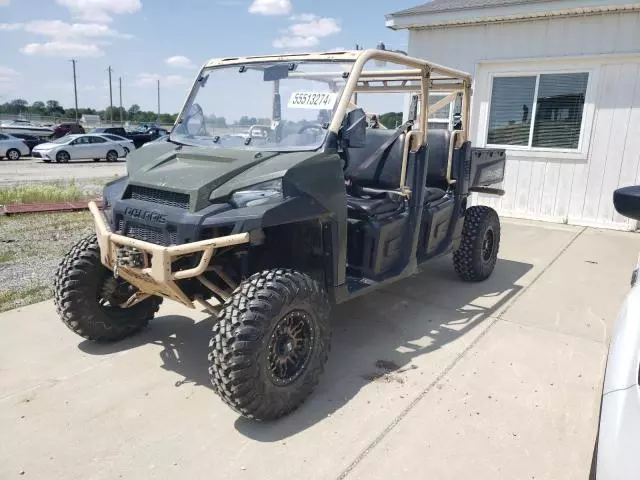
pixel 512 13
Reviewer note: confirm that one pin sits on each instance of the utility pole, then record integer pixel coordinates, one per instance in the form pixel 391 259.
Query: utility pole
pixel 110 95
pixel 355 95
pixel 158 119
pixel 121 112
pixel 75 86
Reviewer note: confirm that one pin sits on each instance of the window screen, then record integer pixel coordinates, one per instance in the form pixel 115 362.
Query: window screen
pixel 559 110
pixel 559 106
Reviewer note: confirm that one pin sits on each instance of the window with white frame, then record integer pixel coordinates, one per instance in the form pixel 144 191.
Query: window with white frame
pixel 537 111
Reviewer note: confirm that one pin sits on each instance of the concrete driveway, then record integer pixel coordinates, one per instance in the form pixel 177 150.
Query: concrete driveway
pixel 430 378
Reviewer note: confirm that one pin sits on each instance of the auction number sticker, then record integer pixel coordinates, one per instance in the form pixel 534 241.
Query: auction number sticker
pixel 317 100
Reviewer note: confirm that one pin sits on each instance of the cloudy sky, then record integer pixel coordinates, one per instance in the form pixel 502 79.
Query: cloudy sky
pixel 146 40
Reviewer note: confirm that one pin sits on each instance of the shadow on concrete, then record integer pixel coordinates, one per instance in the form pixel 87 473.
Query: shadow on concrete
pixel 375 338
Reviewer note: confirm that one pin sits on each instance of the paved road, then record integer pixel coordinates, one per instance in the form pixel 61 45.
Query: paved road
pixel 35 171
pixel 493 380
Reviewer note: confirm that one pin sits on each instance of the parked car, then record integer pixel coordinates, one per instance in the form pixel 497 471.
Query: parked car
pixel 74 147
pixel 30 140
pixel 140 136
pixel 11 147
pixel 125 143
pixel 114 130
pixel 63 129
pixel 615 454
pixel 163 138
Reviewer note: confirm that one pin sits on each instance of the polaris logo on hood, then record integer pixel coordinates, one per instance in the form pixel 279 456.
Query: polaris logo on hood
pixel 146 215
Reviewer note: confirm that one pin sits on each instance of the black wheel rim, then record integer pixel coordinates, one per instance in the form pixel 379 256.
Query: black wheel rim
pixel 290 347
pixel 488 243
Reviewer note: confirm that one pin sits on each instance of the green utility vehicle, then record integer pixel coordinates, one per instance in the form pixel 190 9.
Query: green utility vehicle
pixel 268 227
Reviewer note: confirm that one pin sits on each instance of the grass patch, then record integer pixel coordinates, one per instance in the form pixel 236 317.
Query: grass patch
pixel 7 256
pixel 23 296
pixel 41 193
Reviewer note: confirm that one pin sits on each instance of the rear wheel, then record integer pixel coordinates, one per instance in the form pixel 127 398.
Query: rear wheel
pixel 477 254
pixel 13 154
pixel 112 156
pixel 126 151
pixel 88 298
pixel 270 344
pixel 62 157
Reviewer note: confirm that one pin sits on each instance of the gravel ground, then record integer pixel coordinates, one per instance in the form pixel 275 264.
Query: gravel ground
pixel 31 246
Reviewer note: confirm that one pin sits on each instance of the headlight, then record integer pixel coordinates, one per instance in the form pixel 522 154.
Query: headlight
pixel 260 194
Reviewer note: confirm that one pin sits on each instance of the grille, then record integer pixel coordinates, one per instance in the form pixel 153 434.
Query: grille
pixel 163 197
pixel 36 154
pixel 149 234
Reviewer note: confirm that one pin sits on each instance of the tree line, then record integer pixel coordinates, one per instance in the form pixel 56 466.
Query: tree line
pixel 53 108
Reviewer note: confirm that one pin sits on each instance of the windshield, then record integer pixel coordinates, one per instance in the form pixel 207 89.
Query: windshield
pixel 64 139
pixel 277 106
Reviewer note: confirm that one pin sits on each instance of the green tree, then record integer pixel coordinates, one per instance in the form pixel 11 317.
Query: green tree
pixel 38 108
pixel 133 110
pixel 53 108
pixel 391 119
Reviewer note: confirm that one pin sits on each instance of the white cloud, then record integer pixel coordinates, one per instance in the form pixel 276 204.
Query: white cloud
pixel 308 32
pixel 318 27
pixel 151 79
pixel 59 30
pixel 270 7
pixel 7 78
pixel 179 61
pixel 4 3
pixel 295 42
pixel 100 11
pixel 10 27
pixel 62 49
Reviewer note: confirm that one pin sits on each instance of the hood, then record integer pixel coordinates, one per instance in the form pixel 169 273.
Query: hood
pixel 47 146
pixel 203 172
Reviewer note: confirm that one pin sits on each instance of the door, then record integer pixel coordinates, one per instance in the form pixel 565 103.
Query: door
pixel 99 146
pixel 80 148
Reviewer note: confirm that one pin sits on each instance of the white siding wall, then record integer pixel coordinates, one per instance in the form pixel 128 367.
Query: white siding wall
pixel 573 188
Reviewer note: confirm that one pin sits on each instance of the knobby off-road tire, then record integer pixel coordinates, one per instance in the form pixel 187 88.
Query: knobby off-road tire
pixel 273 314
pixel 79 290
pixel 477 254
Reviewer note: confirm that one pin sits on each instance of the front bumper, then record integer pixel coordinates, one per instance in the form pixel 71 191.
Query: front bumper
pixel 157 276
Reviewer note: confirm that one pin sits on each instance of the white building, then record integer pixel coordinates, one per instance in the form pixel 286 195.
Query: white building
pixel 557 83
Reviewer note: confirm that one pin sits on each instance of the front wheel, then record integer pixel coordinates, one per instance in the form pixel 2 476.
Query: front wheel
pixel 62 157
pixel 13 154
pixel 477 254
pixel 270 344
pixel 88 298
pixel 112 156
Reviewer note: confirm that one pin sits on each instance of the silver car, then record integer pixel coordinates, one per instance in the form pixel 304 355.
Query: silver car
pixel 81 146
pixel 616 456
pixel 12 147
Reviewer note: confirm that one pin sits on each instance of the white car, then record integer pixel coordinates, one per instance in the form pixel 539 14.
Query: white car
pixel 615 453
pixel 11 147
pixel 73 147
pixel 126 143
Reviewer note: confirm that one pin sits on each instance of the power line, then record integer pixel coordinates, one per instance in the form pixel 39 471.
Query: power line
pixel 75 86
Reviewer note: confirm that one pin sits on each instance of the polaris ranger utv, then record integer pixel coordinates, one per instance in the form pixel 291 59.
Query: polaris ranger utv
pixel 269 228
